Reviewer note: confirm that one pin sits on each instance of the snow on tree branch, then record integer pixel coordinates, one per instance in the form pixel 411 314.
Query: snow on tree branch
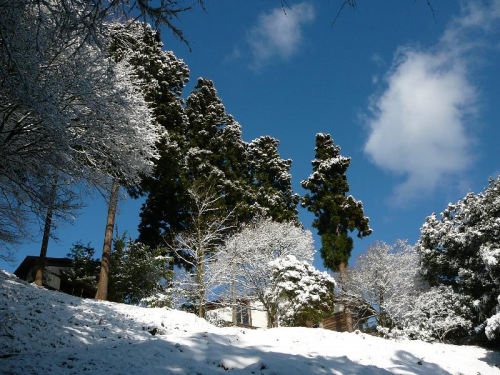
pixel 244 259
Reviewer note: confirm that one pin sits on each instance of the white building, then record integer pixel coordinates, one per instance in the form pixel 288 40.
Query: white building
pixel 249 314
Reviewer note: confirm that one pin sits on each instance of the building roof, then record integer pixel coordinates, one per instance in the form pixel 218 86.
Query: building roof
pixel 30 262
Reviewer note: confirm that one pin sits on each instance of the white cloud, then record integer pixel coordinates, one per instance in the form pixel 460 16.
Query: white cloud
pixel 419 124
pixel 279 35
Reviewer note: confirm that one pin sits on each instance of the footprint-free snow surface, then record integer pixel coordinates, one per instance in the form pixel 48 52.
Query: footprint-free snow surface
pixel 46 332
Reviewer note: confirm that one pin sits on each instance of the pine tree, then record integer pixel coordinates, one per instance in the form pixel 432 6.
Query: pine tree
pixel 136 45
pixel 84 267
pixel 336 213
pixel 136 271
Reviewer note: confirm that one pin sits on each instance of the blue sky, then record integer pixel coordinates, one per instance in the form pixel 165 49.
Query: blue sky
pixel 413 99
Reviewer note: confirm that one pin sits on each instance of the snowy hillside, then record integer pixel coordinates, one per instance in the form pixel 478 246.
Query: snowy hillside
pixel 44 332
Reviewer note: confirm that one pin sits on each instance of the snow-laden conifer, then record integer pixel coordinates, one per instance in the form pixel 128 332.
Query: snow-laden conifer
pixel 336 214
pixel 271 181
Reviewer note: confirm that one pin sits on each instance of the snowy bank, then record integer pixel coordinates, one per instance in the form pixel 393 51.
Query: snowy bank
pixel 45 332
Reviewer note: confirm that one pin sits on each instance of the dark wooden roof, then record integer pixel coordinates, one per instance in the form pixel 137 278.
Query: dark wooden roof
pixel 29 263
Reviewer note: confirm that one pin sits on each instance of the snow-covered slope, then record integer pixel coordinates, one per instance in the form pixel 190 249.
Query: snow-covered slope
pixel 44 332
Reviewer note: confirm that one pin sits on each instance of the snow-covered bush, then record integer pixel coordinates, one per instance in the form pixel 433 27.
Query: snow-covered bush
pixel 492 326
pixel 462 249
pixel 160 299
pixel 303 295
pixel 438 313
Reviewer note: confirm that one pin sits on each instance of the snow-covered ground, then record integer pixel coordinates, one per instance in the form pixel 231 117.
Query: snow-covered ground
pixel 45 332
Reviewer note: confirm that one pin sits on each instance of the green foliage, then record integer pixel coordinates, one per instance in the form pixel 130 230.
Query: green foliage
pixel 271 181
pixel 136 271
pixel 336 213
pixel 84 268
pixel 251 179
pixel 162 76
pixel 202 148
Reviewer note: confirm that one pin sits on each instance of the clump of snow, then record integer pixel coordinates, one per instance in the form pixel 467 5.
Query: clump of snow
pixel 46 332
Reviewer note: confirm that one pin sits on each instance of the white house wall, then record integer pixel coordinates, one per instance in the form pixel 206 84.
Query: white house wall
pixel 259 317
pixel 223 313
pixel 257 314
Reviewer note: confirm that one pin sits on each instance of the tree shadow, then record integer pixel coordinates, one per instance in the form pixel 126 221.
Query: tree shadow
pixel 406 361
pixel 492 358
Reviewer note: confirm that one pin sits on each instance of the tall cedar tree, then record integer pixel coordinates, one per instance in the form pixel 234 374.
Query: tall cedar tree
pixel 336 213
pixel 205 152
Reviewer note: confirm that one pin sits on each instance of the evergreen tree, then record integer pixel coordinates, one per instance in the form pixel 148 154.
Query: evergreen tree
pixel 336 213
pixel 136 271
pixel 209 154
pixel 271 181
pixel 136 45
pixel 84 267
pixel 163 78
pixel 215 148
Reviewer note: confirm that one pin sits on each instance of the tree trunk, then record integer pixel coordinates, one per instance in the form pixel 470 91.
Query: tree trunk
pixel 200 270
pixel 271 315
pixel 233 300
pixel 270 319
pixel 102 286
pixel 347 310
pixel 46 235
pixel 383 316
